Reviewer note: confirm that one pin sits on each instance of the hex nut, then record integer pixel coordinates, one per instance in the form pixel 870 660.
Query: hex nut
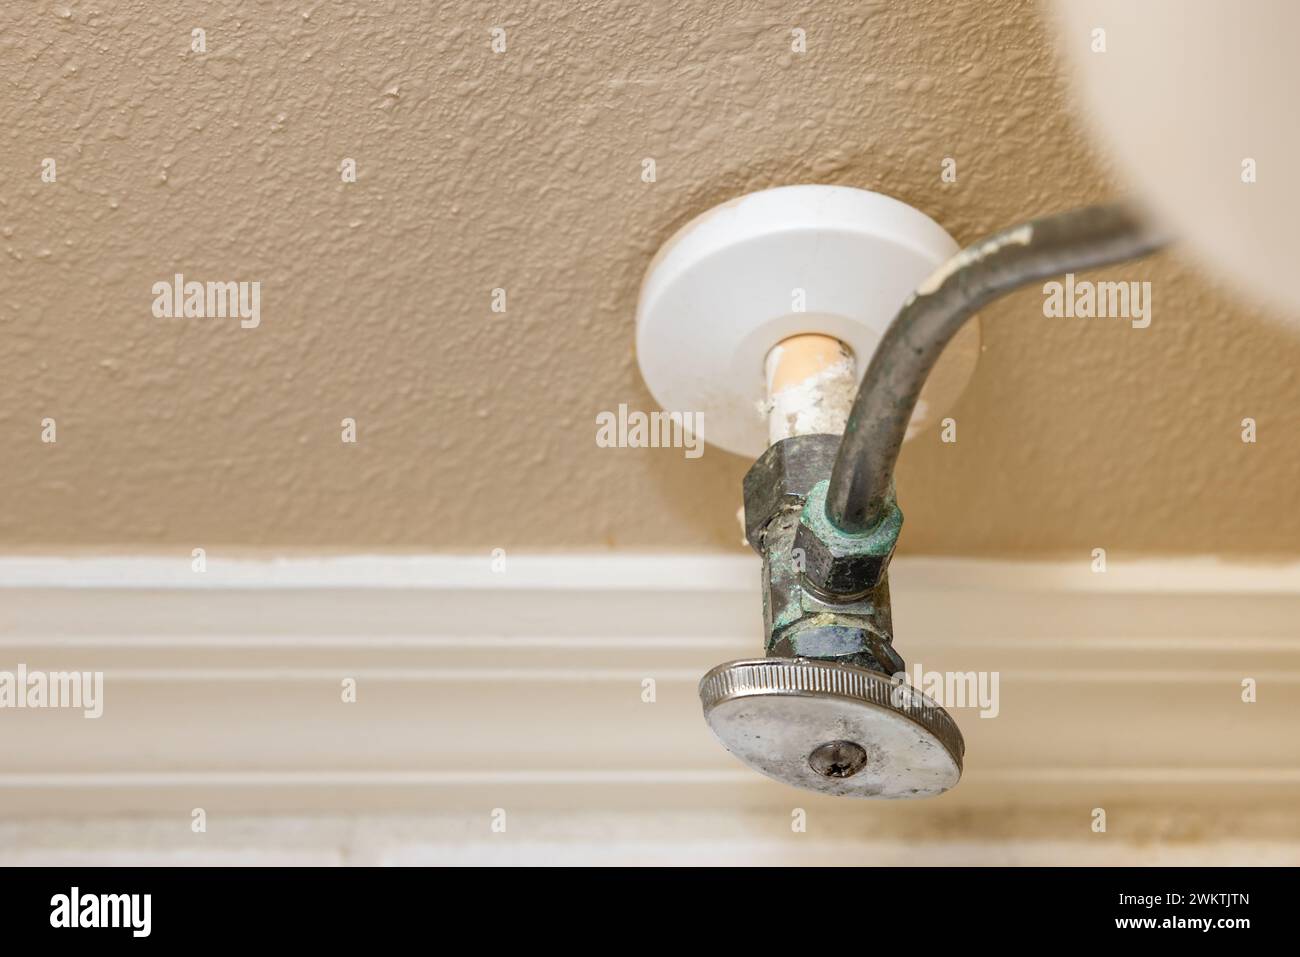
pixel 798 624
pixel 782 477
pixel 839 638
pixel 837 565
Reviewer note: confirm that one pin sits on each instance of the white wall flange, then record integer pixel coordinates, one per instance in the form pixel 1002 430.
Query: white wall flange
pixel 730 284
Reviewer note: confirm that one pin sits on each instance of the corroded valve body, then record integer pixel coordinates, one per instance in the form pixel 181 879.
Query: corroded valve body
pixel 824 711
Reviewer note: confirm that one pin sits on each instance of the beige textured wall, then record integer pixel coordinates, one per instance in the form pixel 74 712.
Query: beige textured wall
pixel 521 170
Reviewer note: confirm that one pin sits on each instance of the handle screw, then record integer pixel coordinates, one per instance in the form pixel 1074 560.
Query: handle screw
pixel 838 759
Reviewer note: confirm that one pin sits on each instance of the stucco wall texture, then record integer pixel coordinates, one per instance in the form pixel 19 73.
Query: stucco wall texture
pixel 522 170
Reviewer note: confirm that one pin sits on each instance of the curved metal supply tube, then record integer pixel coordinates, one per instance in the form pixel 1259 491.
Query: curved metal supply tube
pixel 862 480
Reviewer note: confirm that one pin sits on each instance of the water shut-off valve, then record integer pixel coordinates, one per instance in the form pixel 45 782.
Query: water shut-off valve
pixel 816 328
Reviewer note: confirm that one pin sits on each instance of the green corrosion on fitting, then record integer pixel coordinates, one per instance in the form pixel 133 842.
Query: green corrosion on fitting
pixel 800 624
pixel 841 565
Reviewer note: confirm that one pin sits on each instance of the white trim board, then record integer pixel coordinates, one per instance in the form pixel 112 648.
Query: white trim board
pixel 524 687
pixel 616 570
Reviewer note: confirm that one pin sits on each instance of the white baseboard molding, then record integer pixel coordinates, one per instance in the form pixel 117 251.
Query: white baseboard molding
pixel 523 688
pixel 872 835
